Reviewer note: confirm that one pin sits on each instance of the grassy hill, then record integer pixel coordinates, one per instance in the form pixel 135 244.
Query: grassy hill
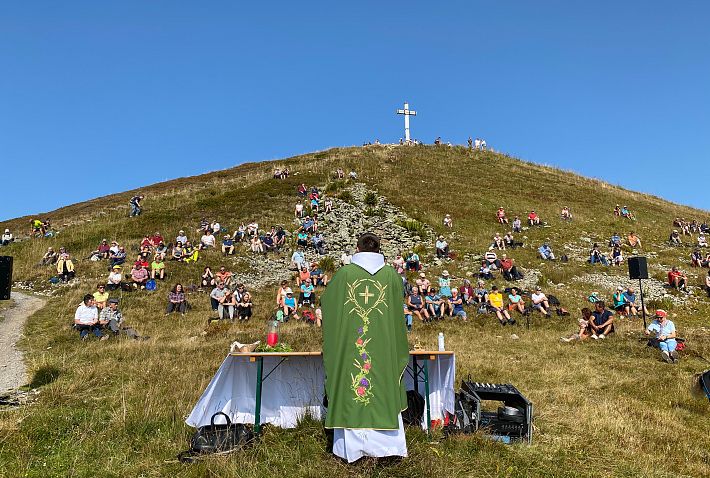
pixel 606 408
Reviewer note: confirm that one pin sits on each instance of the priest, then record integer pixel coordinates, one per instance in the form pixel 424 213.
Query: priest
pixel 365 352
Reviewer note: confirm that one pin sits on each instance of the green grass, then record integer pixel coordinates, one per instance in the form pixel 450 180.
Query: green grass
pixel 117 408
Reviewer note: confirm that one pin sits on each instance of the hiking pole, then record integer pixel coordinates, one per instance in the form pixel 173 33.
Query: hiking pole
pixel 643 307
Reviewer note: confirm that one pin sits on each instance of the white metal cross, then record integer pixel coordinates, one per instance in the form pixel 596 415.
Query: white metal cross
pixel 407 113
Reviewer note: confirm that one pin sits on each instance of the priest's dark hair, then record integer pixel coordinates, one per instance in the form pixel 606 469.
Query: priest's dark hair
pixel 368 242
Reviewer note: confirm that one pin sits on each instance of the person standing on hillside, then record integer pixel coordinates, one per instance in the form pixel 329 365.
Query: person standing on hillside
pixel 135 204
pixel 365 352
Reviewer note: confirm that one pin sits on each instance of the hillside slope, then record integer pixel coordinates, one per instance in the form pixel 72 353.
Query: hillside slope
pixel 133 395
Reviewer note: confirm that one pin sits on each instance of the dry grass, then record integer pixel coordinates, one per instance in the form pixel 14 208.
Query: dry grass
pixel 607 408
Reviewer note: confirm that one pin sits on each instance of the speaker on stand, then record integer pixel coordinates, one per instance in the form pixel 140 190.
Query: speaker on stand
pixel 638 269
pixel 5 277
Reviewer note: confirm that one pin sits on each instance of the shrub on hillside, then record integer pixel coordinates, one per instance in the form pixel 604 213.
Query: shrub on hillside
pixel 371 198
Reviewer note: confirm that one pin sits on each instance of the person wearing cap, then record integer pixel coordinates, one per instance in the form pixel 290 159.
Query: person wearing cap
pixel 665 335
pixel 7 238
pixel 86 318
pixel 540 302
pixel 435 305
pixel 677 279
pixel 448 222
pixel 422 284
pixel 495 302
pixel 500 215
pixel 307 297
pixel 545 252
pixel 596 256
pixel 602 321
pixel 619 301
pixel 445 285
pixel 111 318
pixel 412 261
pixel 289 304
pixel 100 296
pixel 115 278
pixel 181 237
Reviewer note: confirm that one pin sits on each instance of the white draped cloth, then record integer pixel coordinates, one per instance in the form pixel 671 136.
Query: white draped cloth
pixel 295 388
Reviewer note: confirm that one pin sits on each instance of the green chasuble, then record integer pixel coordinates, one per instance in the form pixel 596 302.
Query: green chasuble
pixel 365 348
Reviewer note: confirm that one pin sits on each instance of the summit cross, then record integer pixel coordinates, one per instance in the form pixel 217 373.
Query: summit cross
pixel 407 113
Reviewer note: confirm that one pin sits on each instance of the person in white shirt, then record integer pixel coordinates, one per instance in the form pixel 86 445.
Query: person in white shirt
pixel 181 238
pixel 207 240
pixel 86 318
pixel 299 210
pixel 345 258
pixel 216 227
pixel 7 238
pixel 702 241
pixel 539 301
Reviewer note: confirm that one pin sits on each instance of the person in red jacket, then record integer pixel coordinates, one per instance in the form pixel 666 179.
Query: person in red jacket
pixel 533 218
pixel 677 279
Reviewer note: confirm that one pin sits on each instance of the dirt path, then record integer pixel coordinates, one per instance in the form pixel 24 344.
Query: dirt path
pixel 12 366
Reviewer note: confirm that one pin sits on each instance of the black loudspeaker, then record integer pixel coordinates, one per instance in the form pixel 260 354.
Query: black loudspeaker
pixel 638 269
pixel 5 277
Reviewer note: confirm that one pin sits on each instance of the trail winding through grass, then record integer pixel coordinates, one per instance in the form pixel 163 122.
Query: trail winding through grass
pixel 12 365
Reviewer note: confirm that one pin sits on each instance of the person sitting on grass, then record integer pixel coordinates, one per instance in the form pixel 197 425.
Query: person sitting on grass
pixel 626 213
pixel 268 243
pixel 289 305
pixel 407 317
pixel 207 279
pixel 435 305
pixel 178 253
pixel 674 239
pixel 533 218
pixel 207 241
pixel 630 309
pixel 696 258
pixel 398 263
pixel 298 260
pixel 495 303
pixel 302 238
pixel 633 240
pixel 448 222
pixel 442 248
pixel 100 296
pixel 298 211
pixel 217 297
pixel 517 224
pixel 161 250
pixel 280 237
pixel 50 257
pixel 86 318
pixel 111 318
pixel 227 307
pixel 139 276
pixel 422 284
pixel 7 238
pixel 466 292
pixel 498 242
pixel 224 276
pixel 318 278
pixel 500 215
pixel 318 242
pixel 677 279
pixel 617 257
pixel 328 203
pixel 307 297
pixel 545 252
pixel 596 256
pixel 583 333
pixel 566 215
pixel 619 301
pixel 516 301
pixel 480 293
pixel 485 271
pixel 602 321
pixel 510 242
pixel 142 261
pixel 615 240
pixel 303 274
pixel 244 307
pixel 176 300
pixel 415 303
pixel 707 284
pixel 181 237
pixel 115 278
pixel 102 252
pixel 412 261
pixel 540 302
pixel 665 336
pixel 227 245
pixel 456 305
pixel 65 266
pixel 702 240
pixel 510 270
pixel 445 285
pixel 190 253
pixel 157 268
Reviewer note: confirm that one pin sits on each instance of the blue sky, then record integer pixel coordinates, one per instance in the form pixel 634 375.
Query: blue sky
pixel 101 97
